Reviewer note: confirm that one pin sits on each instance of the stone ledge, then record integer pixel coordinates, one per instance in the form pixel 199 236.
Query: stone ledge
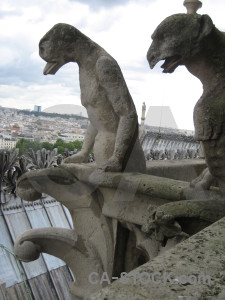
pixel 184 170
pixel 201 254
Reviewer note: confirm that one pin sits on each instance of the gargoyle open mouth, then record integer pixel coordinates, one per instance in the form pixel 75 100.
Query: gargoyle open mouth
pixel 52 67
pixel 171 63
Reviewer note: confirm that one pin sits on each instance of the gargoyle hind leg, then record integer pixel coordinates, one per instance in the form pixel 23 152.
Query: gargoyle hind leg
pixel 203 181
pixel 215 159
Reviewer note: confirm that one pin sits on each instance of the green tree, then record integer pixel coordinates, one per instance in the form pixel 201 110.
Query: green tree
pixel 60 149
pixel 58 143
pixel 47 146
pixel 77 144
pixel 23 145
pixel 69 146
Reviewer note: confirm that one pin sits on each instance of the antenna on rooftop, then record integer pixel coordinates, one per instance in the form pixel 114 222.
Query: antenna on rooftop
pixel 192 6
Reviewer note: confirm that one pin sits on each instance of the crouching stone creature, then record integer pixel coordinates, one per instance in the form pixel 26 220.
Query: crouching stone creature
pixel 194 41
pixel 113 129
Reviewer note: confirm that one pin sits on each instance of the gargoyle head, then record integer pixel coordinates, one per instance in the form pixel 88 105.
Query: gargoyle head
pixel 57 47
pixel 178 38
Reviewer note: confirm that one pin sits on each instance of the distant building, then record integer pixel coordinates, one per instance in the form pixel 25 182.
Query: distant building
pixel 15 128
pixel 7 144
pixel 37 108
pixel 25 136
pixel 68 109
pixel 71 137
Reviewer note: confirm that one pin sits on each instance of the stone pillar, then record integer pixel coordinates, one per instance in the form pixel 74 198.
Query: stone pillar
pixel 142 127
pixel 192 6
pixel 143 114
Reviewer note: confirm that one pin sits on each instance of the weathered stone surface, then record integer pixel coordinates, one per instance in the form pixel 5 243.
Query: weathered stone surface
pixel 88 248
pixel 150 207
pixel 113 130
pixel 184 170
pixel 200 48
pixel 199 259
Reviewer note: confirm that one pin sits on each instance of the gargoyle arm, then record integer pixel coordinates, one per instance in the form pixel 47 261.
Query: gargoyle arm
pixel 89 140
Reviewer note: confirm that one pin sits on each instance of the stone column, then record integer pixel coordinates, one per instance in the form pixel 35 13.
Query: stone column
pixel 142 127
pixel 143 114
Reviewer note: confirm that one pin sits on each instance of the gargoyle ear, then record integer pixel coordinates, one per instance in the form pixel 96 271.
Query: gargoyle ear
pixel 206 26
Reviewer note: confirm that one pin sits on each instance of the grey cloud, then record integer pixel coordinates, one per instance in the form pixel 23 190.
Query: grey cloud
pixel 97 4
pixel 27 72
pixel 24 72
pixel 101 3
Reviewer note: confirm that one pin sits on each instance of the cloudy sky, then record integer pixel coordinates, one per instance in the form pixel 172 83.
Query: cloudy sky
pixel 122 28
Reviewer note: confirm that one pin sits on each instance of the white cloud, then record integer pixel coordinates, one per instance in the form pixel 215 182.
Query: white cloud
pixel 26 97
pixel 8 56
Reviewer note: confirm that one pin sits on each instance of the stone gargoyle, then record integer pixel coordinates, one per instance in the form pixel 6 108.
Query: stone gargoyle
pixel 194 41
pixel 113 129
pixel 113 135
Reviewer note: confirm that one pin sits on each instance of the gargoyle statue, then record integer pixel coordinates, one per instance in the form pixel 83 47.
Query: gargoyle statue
pixel 113 129
pixel 194 41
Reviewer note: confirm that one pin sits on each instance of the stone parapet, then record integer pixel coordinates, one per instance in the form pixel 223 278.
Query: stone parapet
pixel 185 170
pixel 196 266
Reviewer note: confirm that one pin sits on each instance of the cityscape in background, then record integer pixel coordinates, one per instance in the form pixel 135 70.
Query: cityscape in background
pixel 69 123
pixel 39 126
